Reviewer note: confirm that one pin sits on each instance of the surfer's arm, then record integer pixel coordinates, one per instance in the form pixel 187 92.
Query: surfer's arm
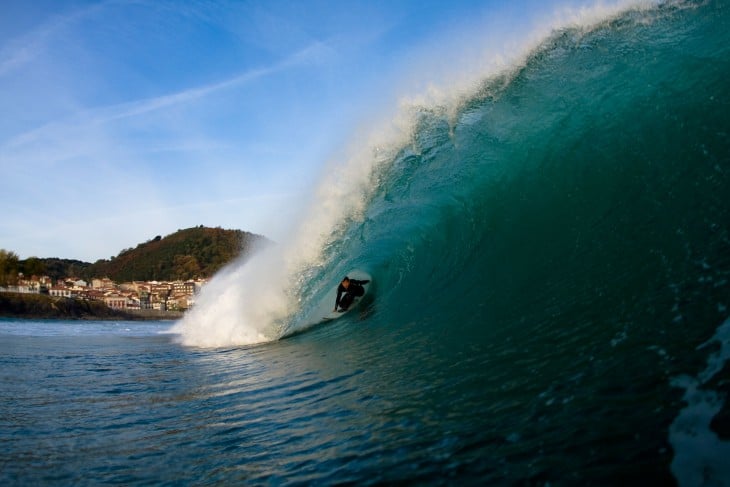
pixel 354 281
pixel 340 290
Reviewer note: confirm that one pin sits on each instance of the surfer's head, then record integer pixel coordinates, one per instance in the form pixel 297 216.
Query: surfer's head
pixel 345 282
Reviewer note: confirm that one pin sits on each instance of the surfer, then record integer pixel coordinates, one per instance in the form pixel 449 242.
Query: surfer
pixel 351 288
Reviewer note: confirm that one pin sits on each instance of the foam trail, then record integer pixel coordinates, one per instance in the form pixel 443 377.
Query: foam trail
pixel 700 455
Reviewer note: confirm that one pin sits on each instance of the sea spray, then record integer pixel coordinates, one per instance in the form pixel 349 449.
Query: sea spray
pixel 237 306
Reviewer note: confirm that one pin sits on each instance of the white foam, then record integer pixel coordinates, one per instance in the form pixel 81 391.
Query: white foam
pixel 700 456
pixel 456 69
pixel 236 307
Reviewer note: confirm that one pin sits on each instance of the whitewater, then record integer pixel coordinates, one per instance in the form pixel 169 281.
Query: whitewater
pixel 547 226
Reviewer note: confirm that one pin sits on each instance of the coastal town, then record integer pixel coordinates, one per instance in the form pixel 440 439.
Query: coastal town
pixel 177 296
pixel 158 279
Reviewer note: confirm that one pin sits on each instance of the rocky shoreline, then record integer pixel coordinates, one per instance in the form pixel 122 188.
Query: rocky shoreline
pixel 41 306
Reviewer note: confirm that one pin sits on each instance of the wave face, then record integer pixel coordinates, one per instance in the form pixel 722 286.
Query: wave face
pixel 556 243
pixel 591 185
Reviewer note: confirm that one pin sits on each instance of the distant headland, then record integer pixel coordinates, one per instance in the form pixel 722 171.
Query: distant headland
pixel 158 279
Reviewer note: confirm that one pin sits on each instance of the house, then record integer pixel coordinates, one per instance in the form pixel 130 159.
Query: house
pixel 61 292
pixel 145 301
pixel 115 300
pixel 133 302
pixel 104 283
pixel 28 287
pixel 91 295
pixel 186 288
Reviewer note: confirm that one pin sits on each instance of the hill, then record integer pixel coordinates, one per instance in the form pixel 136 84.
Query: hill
pixel 185 254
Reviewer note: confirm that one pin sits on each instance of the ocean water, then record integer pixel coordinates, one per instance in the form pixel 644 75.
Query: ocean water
pixel 550 252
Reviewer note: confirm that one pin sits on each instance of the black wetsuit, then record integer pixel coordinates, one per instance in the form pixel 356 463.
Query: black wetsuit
pixel 354 289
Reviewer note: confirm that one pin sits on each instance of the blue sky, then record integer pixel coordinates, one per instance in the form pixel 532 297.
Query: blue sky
pixel 123 120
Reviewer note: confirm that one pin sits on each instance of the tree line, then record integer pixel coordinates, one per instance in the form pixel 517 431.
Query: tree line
pixel 186 254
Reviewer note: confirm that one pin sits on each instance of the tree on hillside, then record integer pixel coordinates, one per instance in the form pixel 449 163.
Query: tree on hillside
pixel 9 265
pixel 185 267
pixel 33 266
pixel 185 254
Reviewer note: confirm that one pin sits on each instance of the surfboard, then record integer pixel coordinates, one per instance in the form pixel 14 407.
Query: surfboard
pixel 331 297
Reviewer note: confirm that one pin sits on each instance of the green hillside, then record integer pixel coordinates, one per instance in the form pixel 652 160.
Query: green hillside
pixel 185 254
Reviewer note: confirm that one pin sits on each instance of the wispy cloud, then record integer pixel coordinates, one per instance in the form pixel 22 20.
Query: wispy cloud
pixel 313 54
pixel 24 49
pixel 128 118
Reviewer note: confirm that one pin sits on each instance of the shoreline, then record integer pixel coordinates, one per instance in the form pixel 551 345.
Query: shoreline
pixel 41 306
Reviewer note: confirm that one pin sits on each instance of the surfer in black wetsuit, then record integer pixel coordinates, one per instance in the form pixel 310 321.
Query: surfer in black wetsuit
pixel 351 288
